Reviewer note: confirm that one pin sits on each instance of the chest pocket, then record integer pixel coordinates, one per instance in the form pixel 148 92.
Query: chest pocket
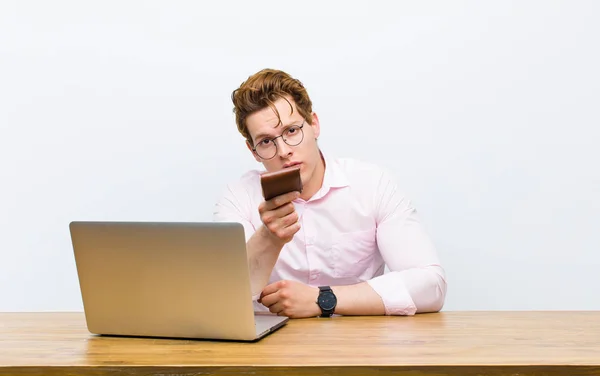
pixel 352 252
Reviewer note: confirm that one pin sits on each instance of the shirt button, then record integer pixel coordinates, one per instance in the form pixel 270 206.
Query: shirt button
pixel 314 276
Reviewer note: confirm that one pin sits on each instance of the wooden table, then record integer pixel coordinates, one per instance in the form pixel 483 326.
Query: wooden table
pixel 447 343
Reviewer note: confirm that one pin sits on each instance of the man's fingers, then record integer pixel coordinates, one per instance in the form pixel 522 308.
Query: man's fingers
pixel 281 200
pixel 268 290
pixel 288 220
pixel 271 216
pixel 269 300
pixel 276 308
pixel 284 210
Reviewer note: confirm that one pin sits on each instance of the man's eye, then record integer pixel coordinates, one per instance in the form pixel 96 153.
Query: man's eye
pixel 266 142
pixel 292 130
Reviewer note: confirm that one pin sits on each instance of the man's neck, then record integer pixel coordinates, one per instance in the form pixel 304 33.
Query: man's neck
pixel 316 181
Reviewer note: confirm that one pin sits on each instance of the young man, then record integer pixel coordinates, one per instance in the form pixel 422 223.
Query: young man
pixel 324 250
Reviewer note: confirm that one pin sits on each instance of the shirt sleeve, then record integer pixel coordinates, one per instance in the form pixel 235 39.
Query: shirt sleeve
pixel 234 206
pixel 416 281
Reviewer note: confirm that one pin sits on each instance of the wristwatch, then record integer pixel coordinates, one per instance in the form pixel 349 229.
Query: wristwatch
pixel 326 301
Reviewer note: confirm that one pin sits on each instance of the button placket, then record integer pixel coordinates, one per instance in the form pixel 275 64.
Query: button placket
pixel 309 239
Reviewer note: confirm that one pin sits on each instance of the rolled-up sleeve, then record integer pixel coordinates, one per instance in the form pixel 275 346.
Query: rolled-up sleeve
pixel 416 281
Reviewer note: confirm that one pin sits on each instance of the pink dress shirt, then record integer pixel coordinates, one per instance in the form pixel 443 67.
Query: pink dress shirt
pixel 355 225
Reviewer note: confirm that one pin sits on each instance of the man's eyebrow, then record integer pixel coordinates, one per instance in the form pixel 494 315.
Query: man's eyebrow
pixel 261 135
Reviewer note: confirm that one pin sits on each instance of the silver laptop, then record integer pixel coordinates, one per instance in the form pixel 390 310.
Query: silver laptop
pixel 177 280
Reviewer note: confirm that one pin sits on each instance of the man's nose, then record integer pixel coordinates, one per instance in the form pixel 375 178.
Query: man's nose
pixel 283 149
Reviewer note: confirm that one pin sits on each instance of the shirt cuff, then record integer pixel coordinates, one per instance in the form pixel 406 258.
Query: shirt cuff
pixel 395 295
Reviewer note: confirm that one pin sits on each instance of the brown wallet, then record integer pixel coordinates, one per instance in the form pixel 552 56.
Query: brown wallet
pixel 280 182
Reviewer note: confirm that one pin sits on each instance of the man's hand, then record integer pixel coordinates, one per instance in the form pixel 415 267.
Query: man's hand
pixel 279 217
pixel 292 299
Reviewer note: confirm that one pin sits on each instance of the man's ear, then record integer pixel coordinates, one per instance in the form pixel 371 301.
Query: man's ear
pixel 316 126
pixel 256 157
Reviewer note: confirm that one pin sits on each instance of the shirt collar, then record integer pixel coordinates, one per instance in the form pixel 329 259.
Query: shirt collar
pixel 334 175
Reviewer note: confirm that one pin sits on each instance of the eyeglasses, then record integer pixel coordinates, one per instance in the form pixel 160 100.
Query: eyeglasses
pixel 267 147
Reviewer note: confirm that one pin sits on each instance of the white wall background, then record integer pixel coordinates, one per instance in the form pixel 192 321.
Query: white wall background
pixel 487 111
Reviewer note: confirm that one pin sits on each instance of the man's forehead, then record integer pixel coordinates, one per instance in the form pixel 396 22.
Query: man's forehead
pixel 268 119
pixel 272 120
pixel 281 112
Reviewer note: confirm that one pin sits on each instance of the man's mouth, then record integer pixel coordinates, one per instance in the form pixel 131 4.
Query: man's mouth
pixel 288 165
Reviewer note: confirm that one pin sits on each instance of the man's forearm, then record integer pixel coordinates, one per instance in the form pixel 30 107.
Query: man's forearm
pixel 263 252
pixel 359 299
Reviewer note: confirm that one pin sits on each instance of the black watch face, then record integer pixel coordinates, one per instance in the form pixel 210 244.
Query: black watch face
pixel 327 301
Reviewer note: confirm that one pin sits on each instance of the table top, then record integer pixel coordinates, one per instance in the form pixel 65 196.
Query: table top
pixel 537 342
